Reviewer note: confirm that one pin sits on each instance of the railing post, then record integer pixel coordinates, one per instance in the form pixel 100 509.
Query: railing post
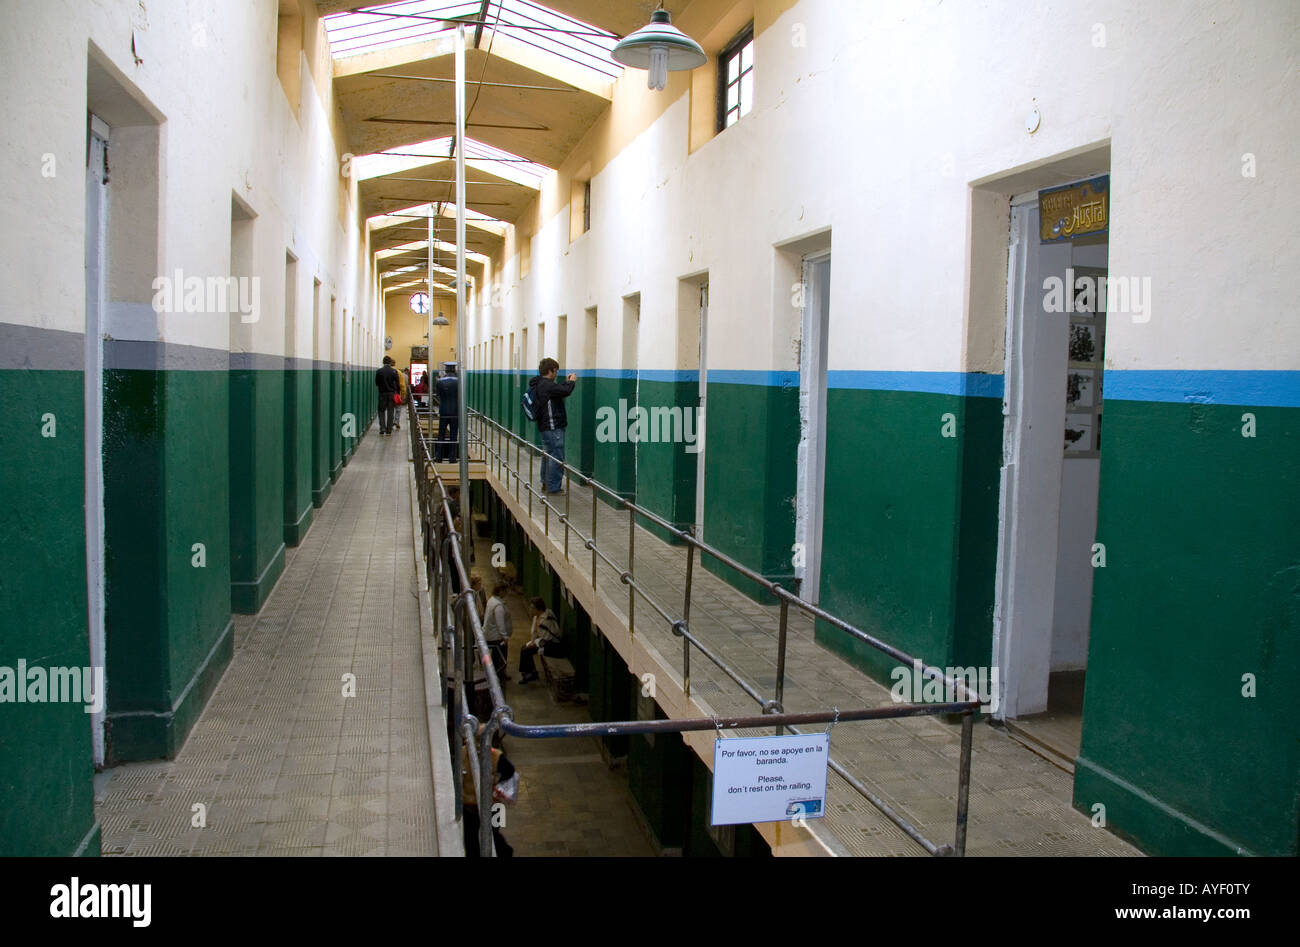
pixel 456 710
pixel 631 567
pixel 780 655
pixel 485 787
pixel 568 492
pixel 593 533
pixel 963 782
pixel 529 488
pixel 686 618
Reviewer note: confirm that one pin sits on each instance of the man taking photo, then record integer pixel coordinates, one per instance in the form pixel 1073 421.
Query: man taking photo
pixel 548 396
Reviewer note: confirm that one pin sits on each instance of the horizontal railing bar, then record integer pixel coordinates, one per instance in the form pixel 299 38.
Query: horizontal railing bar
pixel 758 721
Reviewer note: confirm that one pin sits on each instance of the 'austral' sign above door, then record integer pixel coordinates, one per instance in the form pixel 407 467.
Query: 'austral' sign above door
pixel 1074 210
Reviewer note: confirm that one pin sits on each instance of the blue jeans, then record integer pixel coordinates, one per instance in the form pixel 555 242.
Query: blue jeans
pixel 553 473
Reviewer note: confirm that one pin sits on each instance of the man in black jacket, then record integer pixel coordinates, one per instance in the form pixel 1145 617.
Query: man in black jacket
pixel 389 384
pixel 548 408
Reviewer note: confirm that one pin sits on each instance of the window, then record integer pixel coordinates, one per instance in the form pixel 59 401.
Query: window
pixel 586 206
pixel 736 79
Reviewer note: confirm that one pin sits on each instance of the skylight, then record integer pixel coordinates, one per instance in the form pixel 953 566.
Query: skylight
pixel 417 21
pixel 494 161
pixel 404 215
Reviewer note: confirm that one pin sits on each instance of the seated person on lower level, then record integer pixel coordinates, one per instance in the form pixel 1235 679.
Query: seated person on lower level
pixel 544 637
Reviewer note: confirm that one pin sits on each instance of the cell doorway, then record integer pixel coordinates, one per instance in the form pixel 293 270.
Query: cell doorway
pixel 1052 449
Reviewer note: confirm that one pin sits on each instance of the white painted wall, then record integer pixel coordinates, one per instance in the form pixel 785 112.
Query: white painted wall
pixel 209 69
pixel 878 126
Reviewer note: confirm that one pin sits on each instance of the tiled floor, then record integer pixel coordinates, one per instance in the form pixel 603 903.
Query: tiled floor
pixel 284 763
pixel 1019 802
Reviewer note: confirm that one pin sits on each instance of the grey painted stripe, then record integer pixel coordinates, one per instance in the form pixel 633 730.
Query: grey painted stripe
pixel 256 361
pixel 162 356
pixel 38 349
pixel 35 348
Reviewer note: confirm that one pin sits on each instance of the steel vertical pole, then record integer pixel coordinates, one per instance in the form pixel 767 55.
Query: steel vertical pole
pixel 466 509
pixel 428 349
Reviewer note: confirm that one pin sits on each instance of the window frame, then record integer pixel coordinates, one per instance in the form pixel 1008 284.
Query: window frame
pixel 733 49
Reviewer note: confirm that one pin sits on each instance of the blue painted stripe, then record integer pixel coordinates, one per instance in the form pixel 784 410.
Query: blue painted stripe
pixel 1279 389
pixel 1275 389
pixel 670 375
pixel 725 376
pixel 965 384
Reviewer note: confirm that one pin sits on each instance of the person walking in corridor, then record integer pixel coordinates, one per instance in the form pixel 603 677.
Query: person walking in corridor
pixel 548 408
pixel 405 393
pixel 448 449
pixel 387 382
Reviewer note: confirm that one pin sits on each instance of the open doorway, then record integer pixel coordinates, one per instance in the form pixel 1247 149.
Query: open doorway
pixel 700 412
pixel 811 458
pixel 96 238
pixel 690 390
pixel 1056 324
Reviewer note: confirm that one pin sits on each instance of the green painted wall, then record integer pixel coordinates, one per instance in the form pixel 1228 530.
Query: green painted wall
pixel 257 482
pixel 320 407
pixel 297 452
pixel 1201 586
pixel 166 490
pixel 666 471
pixel 212 458
pixel 580 440
pixel 46 766
pixel 614 460
pixel 909 538
pixel 750 480
pixel 334 422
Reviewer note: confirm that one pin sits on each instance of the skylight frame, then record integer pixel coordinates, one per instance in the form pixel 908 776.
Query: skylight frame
pixel 478 155
pixel 526 22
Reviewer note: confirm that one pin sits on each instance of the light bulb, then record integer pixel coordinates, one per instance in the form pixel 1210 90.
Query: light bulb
pixel 658 77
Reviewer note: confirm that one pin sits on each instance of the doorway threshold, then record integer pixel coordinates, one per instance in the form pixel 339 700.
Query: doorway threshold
pixel 1055 735
pixel 1036 733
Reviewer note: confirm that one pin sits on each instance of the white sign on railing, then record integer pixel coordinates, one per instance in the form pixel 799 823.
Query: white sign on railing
pixel 770 779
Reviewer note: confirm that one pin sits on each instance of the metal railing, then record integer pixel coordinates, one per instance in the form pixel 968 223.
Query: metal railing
pixel 463 642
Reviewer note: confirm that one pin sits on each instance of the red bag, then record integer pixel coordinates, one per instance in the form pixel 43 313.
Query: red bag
pixel 397 398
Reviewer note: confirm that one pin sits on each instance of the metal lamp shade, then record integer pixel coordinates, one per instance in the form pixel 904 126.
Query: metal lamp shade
pixel 683 52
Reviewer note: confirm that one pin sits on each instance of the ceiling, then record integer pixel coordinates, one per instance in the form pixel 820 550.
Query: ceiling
pixel 619 17
pixel 543 124
pixel 522 99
